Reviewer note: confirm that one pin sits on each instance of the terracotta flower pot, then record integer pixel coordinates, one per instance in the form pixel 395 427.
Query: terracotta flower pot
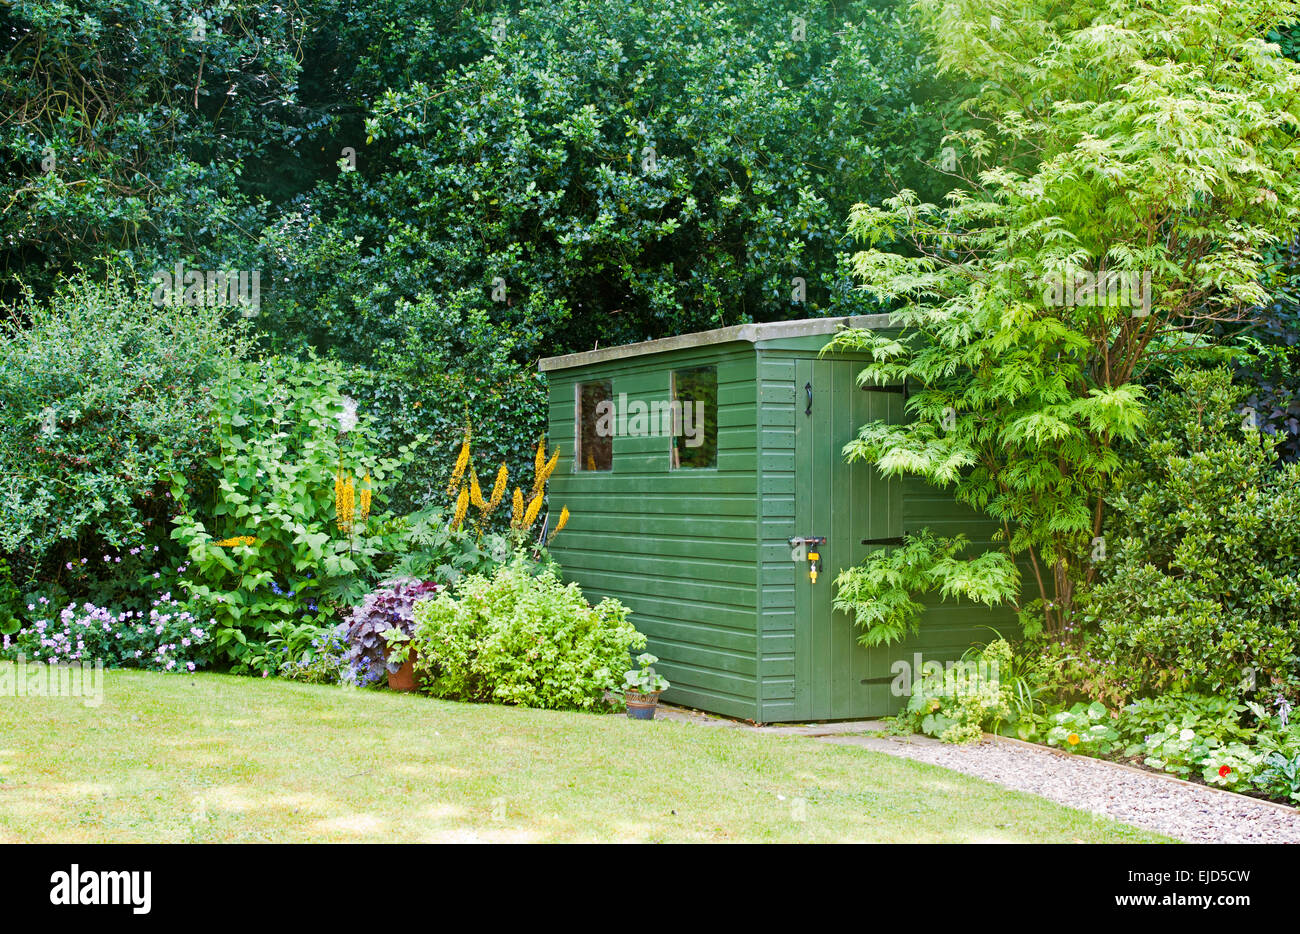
pixel 403 679
pixel 641 706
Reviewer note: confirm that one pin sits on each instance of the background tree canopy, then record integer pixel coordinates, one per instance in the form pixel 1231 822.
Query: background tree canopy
pixel 625 173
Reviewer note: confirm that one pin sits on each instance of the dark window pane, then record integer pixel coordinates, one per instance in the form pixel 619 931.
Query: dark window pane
pixel 695 414
pixel 595 433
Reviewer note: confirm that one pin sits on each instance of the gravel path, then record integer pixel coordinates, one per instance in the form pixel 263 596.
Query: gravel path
pixel 1186 812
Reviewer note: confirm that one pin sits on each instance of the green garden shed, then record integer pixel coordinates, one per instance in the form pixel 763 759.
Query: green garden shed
pixel 689 465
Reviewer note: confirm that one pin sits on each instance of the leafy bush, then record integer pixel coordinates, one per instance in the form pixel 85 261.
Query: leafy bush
pixel 151 162
pixel 966 699
pixel 389 607
pixel 1200 587
pixel 522 638
pixel 103 398
pixel 324 661
pixel 281 527
pixel 1279 777
pixel 1085 728
pixel 166 638
pixel 426 546
pixel 10 600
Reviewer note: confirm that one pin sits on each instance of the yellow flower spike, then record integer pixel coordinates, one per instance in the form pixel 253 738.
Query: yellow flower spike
pixel 550 465
pixel 345 501
pixel 366 493
pixel 498 487
pixel 476 492
pixel 462 461
pixel 533 509
pixel 563 521
pixel 462 506
pixel 543 471
pixel 539 462
pixel 517 508
pixel 591 462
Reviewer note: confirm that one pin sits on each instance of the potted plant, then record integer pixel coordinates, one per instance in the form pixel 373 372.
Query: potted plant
pixel 401 659
pixel 378 634
pixel 642 687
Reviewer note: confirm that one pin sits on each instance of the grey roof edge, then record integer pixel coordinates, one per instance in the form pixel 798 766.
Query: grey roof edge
pixel 753 333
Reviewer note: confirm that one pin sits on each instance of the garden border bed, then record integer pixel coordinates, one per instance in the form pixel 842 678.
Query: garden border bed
pixel 1287 808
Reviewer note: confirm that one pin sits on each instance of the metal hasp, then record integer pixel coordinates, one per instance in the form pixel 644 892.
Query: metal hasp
pixel 808 548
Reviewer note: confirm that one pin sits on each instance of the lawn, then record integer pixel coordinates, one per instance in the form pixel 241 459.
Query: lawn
pixel 215 758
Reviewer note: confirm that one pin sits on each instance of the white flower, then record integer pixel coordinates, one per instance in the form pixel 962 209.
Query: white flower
pixel 1187 735
pixel 348 417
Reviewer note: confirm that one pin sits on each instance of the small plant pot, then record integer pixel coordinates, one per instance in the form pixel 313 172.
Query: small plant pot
pixel 641 706
pixel 403 679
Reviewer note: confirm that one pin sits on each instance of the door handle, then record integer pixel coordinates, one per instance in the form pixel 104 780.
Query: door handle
pixel 807 387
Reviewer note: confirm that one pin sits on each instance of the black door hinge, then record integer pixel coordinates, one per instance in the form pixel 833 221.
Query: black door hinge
pixel 900 389
pixel 895 540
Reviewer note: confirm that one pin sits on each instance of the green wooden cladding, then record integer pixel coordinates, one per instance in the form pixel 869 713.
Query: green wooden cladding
pixel 702 556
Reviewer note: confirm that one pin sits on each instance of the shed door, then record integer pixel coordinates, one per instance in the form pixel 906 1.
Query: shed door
pixel 835 676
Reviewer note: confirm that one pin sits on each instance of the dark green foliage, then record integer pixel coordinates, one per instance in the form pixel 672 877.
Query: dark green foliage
pixel 1200 585
pixel 127 135
pixel 626 172
pixel 1268 356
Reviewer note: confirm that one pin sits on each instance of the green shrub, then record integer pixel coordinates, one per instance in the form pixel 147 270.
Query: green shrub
pixel 282 527
pixel 1279 777
pixel 522 638
pixel 103 397
pixel 966 699
pixel 1084 728
pixel 324 661
pixel 1192 735
pixel 1200 589
pixel 10 601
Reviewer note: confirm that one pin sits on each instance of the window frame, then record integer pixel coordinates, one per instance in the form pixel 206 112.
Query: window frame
pixel 674 458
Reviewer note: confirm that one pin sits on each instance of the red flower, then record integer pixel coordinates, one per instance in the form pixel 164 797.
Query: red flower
pixel 1224 770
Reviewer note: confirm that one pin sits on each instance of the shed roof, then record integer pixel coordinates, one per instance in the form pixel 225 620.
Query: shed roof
pixel 753 333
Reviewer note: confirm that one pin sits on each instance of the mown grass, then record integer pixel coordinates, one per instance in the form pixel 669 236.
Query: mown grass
pixel 215 758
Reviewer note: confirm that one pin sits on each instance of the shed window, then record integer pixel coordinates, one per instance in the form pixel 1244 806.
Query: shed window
pixel 595 406
pixel 695 417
